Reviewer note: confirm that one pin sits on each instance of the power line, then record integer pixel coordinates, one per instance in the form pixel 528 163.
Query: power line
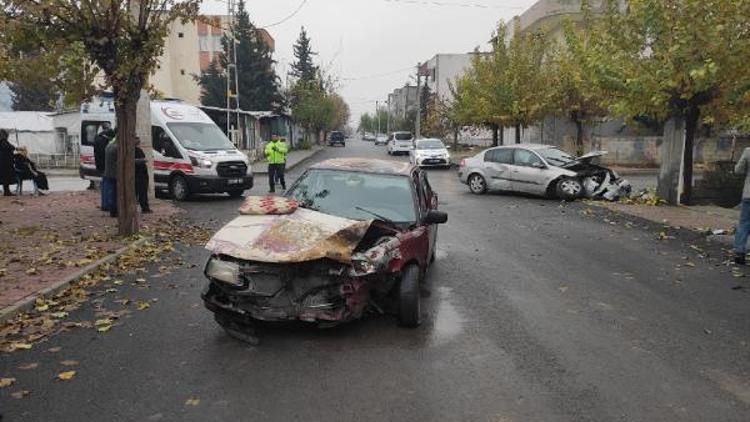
pixel 455 4
pixel 301 5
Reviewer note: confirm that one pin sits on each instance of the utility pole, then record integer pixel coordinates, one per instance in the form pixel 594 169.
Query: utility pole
pixel 418 123
pixel 388 120
pixel 377 113
pixel 232 75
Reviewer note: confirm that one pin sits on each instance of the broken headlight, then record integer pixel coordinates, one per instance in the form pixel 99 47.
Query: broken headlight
pixel 228 272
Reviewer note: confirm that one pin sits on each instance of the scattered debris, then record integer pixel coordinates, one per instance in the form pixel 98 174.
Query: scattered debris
pixel 66 376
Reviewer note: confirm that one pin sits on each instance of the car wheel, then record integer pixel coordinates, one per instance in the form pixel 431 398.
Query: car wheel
pixel 243 332
pixel 235 193
pixel 179 189
pixel 409 298
pixel 477 184
pixel 568 188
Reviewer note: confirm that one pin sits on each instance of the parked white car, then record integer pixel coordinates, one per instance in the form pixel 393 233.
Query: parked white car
pixel 430 152
pixel 400 143
pixel 541 170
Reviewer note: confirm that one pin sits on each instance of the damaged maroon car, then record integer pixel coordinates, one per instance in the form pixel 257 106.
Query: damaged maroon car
pixel 355 235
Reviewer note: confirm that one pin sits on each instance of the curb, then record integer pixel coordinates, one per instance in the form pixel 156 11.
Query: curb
pixel 290 167
pixel 27 303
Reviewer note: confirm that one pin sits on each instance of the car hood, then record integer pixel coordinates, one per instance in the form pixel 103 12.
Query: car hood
pixel 585 159
pixel 304 235
pixel 442 151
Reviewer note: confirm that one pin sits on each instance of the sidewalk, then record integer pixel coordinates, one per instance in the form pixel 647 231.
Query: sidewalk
pixel 715 222
pixel 51 238
pixel 295 158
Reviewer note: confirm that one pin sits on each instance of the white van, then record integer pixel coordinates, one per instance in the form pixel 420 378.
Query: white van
pixel 191 154
pixel 400 142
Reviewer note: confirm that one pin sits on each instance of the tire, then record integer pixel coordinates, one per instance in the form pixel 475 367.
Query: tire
pixel 477 184
pixel 179 189
pixel 235 193
pixel 409 298
pixel 568 189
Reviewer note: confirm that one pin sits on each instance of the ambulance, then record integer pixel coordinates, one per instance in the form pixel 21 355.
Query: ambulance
pixel 191 154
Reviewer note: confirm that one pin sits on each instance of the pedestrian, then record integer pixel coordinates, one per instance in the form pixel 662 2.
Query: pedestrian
pixel 141 177
pixel 110 177
pixel 26 170
pixel 276 151
pixel 100 146
pixel 7 171
pixel 743 227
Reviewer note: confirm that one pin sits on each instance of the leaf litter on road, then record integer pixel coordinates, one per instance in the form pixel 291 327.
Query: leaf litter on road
pixel 66 375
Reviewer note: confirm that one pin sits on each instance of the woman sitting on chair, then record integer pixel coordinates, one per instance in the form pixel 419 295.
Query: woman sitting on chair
pixel 26 170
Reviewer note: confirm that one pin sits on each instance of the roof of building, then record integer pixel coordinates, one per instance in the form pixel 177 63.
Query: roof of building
pixel 366 165
pixel 26 121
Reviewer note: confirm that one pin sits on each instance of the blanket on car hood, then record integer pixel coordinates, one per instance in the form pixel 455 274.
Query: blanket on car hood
pixel 304 235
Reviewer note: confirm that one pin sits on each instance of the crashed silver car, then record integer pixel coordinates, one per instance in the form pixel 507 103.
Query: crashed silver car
pixel 541 170
pixel 352 235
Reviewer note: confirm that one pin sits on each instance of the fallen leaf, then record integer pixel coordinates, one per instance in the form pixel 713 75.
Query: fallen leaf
pixel 42 308
pixel 140 280
pixel 69 362
pixel 20 346
pixel 690 264
pixel 192 402
pixel 32 271
pixel 28 366
pixel 20 394
pixel 59 315
pixel 7 382
pixel 102 322
pixel 111 290
pixel 54 349
pixel 66 376
pixel 117 282
pixel 143 305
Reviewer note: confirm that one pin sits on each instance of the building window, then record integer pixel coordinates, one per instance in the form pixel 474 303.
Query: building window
pixel 180 35
pixel 182 71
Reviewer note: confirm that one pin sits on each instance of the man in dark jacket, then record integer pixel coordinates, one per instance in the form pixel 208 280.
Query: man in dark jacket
pixel 100 145
pixel 110 177
pixel 141 177
pixel 7 172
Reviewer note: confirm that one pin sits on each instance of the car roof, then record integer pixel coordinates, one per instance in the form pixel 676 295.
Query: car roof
pixel 534 147
pixel 366 165
pixel 430 139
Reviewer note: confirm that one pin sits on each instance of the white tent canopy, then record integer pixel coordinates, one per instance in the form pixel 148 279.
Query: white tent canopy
pixel 32 129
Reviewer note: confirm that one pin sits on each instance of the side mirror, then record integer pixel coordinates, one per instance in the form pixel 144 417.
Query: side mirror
pixel 435 217
pixel 538 165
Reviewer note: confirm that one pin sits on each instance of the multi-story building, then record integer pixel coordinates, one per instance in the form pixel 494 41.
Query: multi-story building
pixel 402 100
pixel 188 51
pixel 442 70
pixel 550 16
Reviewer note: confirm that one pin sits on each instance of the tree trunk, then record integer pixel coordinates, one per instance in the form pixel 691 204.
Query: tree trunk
pixel 691 124
pixel 495 137
pixel 579 136
pixel 502 135
pixel 455 139
pixel 518 133
pixel 125 113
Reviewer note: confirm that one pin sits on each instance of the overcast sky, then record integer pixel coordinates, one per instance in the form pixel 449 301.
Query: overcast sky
pixel 373 46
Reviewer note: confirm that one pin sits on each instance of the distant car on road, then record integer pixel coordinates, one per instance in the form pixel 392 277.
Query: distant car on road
pixel 381 139
pixel 353 234
pixel 430 152
pixel 368 137
pixel 540 170
pixel 336 138
pixel 400 143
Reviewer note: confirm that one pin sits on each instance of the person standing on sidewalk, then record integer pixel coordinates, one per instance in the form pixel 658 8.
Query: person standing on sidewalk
pixel 100 146
pixel 141 177
pixel 110 177
pixel 276 151
pixel 743 227
pixel 7 171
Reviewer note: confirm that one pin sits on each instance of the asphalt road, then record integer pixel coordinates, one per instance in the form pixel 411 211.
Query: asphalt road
pixel 536 311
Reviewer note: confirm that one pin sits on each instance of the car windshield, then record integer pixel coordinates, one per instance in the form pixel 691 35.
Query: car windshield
pixel 403 136
pixel 430 144
pixel 200 136
pixel 556 157
pixel 358 196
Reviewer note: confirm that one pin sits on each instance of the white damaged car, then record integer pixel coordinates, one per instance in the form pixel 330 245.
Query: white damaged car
pixel 541 170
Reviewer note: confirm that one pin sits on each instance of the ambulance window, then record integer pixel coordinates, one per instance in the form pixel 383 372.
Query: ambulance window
pixel 89 130
pixel 163 143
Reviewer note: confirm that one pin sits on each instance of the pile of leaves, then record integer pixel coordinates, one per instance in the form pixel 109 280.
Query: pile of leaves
pixel 645 197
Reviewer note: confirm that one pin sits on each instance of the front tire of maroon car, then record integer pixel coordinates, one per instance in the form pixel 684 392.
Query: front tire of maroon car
pixel 410 298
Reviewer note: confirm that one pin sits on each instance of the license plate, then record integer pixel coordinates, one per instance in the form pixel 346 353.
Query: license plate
pixel 234 181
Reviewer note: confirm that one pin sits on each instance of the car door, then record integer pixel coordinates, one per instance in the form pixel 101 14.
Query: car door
pixel 427 200
pixel 529 172
pixel 498 164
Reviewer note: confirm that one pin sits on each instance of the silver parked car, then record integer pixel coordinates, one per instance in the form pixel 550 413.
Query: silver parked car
pixel 430 152
pixel 541 170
